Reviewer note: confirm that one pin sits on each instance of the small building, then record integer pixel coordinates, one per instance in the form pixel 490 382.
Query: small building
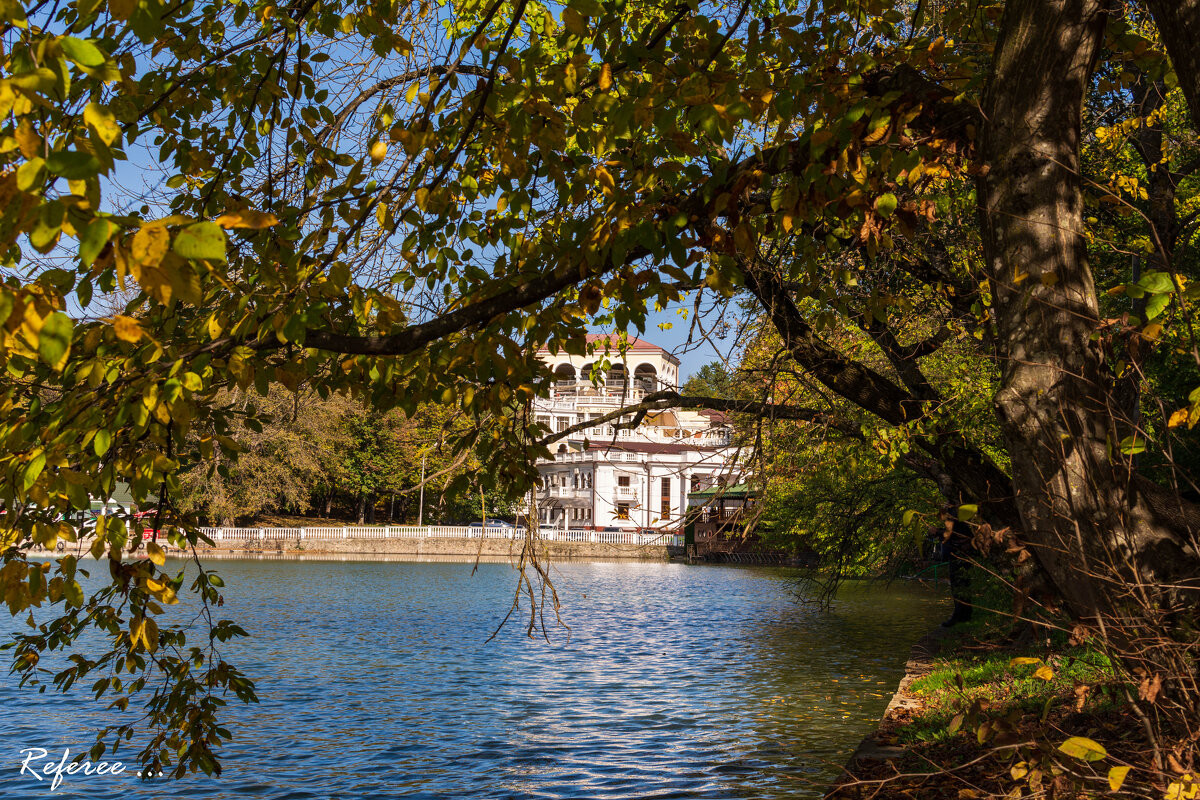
pixel 720 512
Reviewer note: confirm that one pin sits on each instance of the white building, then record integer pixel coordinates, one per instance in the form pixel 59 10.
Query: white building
pixel 602 477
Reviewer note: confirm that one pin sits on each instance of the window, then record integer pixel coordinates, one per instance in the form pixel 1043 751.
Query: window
pixel 622 480
pixel 622 510
pixel 666 498
pixel 695 483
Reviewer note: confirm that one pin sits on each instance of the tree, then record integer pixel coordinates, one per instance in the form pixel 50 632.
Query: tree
pixel 711 380
pixel 345 208
pixel 298 445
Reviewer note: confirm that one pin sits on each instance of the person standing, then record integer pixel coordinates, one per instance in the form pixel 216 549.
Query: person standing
pixel 956 550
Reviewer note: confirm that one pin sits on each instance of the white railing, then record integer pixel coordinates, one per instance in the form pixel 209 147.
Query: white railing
pixel 435 532
pixel 588 395
pixel 626 492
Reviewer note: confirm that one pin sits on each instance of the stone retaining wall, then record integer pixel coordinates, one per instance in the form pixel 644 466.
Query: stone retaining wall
pixel 434 548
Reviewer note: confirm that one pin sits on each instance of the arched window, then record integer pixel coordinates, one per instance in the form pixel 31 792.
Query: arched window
pixel 616 377
pixel 564 377
pixel 646 377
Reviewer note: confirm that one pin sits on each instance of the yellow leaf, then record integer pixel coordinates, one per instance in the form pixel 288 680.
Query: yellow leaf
pixel 145 631
pixel 1152 332
pixel 1182 790
pixel 127 328
pixel 247 218
pixel 1024 661
pixel 162 591
pixel 1083 748
pixel 102 121
pixel 150 635
pixel 378 151
pixel 1044 672
pixel 150 245
pixel 28 140
pixel 156 553
pixel 1116 777
pixel 605 82
pixel 1178 418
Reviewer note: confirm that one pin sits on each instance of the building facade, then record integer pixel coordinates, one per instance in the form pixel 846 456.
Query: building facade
pixel 602 477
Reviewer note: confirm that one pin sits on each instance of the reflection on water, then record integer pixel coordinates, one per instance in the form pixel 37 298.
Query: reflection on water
pixel 376 681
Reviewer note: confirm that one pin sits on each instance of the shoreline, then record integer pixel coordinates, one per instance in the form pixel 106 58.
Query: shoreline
pixel 413 550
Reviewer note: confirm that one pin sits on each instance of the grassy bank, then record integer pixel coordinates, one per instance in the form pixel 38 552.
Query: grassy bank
pixel 1014 711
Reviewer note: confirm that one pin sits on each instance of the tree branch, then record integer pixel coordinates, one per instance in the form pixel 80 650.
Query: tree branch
pixel 667 399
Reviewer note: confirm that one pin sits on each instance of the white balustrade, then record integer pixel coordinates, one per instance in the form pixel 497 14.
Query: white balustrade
pixel 329 533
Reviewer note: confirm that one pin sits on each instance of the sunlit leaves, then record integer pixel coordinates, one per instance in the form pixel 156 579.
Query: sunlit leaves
pixel 1083 748
pixel 202 240
pixel 54 339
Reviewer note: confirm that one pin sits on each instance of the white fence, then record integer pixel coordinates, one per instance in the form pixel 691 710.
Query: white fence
pixel 436 532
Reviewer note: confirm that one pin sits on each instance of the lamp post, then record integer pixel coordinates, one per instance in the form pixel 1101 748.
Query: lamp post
pixel 421 502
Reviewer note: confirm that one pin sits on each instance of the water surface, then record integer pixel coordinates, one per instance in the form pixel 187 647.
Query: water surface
pixel 376 681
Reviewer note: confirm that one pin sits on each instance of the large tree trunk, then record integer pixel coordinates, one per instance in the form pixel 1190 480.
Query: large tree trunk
pixel 1082 509
pixel 1179 26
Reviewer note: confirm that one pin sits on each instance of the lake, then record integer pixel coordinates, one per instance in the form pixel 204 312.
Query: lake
pixel 376 680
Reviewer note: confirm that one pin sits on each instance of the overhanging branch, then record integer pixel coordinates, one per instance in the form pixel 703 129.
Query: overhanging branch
pixel 666 400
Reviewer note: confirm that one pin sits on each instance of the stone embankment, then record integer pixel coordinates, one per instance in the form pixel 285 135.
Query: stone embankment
pixel 879 745
pixel 431 543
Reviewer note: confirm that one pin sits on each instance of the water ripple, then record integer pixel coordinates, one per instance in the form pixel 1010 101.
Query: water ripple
pixel 376 680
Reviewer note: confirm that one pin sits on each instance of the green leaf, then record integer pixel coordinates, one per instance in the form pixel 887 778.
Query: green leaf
pixel 885 204
pixel 73 165
pixel 82 52
pixel 93 239
pixel 967 511
pixel 33 469
pixel 54 339
pixel 73 593
pixel 1157 282
pixel 203 240
pixel 102 441
pixel 29 174
pixel 1083 748
pixel 1132 445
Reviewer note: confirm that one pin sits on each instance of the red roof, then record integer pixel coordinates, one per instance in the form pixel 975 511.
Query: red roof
pixel 645 447
pixel 614 343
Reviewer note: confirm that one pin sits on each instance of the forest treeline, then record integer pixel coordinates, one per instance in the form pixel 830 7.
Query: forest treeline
pixel 333 457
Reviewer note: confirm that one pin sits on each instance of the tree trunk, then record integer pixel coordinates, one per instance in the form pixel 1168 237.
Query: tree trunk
pixel 1178 24
pixel 361 507
pixel 1081 508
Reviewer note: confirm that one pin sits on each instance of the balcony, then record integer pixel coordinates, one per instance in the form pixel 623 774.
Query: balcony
pixel 569 493
pixel 626 493
pixel 572 394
